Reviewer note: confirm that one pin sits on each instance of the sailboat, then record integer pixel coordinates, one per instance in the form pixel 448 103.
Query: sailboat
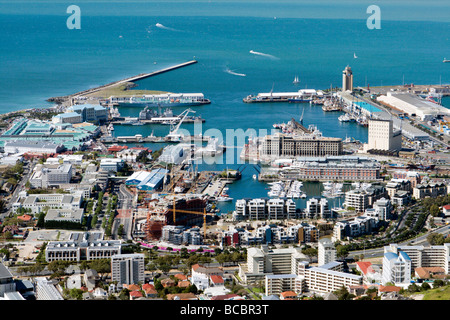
pixel 355 56
pixel 296 81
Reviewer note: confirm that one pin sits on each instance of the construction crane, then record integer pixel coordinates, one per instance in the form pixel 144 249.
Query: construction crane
pixel 173 134
pixel 175 210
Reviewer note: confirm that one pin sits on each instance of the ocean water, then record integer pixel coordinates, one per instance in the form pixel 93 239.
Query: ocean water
pixel 42 58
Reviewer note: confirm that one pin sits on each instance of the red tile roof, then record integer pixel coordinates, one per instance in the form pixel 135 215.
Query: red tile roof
pixel 216 279
pixel 365 266
pixel 136 294
pixel 388 289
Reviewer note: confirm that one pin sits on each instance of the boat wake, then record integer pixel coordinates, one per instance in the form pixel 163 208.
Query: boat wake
pixel 161 26
pixel 227 70
pixel 264 54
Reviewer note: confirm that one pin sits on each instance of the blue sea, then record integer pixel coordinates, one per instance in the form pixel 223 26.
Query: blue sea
pixel 42 58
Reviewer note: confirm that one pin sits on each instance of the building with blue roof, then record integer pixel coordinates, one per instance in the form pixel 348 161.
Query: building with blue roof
pixel 396 268
pixel 90 112
pixel 146 181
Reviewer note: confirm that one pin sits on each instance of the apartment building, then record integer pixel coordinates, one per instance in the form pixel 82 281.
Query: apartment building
pixel 317 208
pixel 128 269
pixel 396 268
pixel 430 190
pixel 357 199
pixel 327 278
pixel 425 256
pixel 335 168
pixel 262 209
pixel 326 252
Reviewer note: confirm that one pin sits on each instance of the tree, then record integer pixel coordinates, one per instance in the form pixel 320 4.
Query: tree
pixel 342 251
pixel 434 210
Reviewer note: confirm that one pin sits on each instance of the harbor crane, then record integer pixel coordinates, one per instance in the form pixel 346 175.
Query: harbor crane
pixel 174 136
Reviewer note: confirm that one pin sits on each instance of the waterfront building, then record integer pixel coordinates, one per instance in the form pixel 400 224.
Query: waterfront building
pixel 27 146
pixel 358 199
pixel 317 208
pixel 173 154
pixel 347 79
pixel 33 136
pixel 381 210
pixel 413 106
pixel 281 145
pixel 67 117
pixel 127 269
pixel 90 113
pixel 382 136
pixel 396 268
pixel 334 168
pixel 145 180
pixel 326 252
pixel 262 209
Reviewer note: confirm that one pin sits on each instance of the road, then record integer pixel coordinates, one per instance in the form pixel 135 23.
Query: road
pixel 421 240
pixel 125 207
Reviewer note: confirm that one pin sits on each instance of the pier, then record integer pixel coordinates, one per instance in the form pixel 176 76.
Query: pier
pixel 138 138
pixel 116 83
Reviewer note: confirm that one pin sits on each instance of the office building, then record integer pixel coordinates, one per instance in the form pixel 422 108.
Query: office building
pixel 38 202
pixel 46 176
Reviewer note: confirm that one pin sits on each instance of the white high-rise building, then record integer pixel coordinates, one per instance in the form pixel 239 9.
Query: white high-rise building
pixel 396 268
pixel 327 252
pixel 128 269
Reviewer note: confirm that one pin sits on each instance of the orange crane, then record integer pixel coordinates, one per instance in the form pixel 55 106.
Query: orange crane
pixel 175 210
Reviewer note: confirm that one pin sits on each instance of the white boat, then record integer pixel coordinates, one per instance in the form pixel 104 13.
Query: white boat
pixel 446 60
pixel 303 196
pixel 254 177
pixel 344 118
pixel 296 81
pixel 223 199
pixel 355 56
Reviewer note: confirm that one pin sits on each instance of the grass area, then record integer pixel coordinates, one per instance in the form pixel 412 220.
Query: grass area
pixel 121 90
pixel 442 293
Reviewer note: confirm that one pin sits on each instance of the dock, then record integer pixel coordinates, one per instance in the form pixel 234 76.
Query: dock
pixel 116 83
pixel 138 138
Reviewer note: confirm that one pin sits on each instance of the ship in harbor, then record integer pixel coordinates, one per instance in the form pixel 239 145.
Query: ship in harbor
pixel 166 99
pixel 302 95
